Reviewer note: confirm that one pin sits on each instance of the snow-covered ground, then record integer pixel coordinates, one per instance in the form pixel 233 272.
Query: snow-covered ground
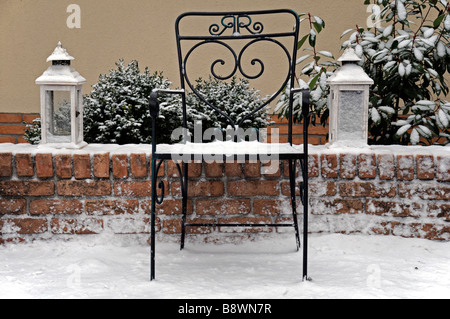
pixel 341 266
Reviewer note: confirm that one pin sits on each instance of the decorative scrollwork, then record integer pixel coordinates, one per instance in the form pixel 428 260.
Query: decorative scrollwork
pixel 236 23
pixel 238 65
pixel 159 200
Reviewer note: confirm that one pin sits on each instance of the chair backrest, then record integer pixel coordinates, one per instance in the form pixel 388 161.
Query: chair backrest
pixel 238 44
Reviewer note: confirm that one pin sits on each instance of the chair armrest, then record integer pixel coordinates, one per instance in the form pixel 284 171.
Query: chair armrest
pixel 154 104
pixel 153 100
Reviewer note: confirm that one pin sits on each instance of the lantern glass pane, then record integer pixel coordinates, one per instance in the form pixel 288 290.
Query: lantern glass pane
pixel 58 116
pixel 350 117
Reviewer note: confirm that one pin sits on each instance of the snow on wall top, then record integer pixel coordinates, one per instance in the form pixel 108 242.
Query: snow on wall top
pixel 147 149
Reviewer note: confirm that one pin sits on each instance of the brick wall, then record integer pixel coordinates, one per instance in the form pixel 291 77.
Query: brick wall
pixel 44 195
pixel 12 126
pixel 12 129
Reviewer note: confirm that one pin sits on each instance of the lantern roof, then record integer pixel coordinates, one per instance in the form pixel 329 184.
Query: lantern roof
pixel 60 54
pixel 350 73
pixel 60 73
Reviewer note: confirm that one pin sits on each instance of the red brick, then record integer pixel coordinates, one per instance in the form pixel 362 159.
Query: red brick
pixel 24 165
pixel 425 167
pixel 12 129
pixel 313 165
pixel 286 189
pixel 405 167
pixel 112 207
pixel 245 220
pixel 324 206
pixel 45 207
pixel 252 169
pixel 392 208
pixel 234 169
pixel 194 169
pixel 367 166
pixel 27 188
pixel 214 169
pixel 386 166
pixel 120 166
pixel 443 168
pixel 101 165
pixel 74 226
pixel 200 188
pixel 367 189
pixel 44 165
pixel 329 165
pixel 5 164
pixel 319 188
pixel 25 226
pixel 10 118
pixel 223 207
pixel 347 163
pixel 267 207
pixel 138 165
pixel 29 118
pixel 7 139
pixel 133 188
pixel 429 191
pixel 21 140
pixel 430 231
pixel 253 188
pixel 63 166
pixel 173 226
pixel 13 206
pixel 82 166
pixel 83 188
pixel 271 168
pixel 168 207
pixel 439 211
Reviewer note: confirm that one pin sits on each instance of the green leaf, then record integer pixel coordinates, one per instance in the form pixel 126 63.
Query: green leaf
pixel 302 41
pixel 438 21
pixel 317 26
pixel 313 82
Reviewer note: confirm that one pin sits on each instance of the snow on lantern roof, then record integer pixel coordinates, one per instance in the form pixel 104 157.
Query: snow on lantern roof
pixel 60 54
pixel 60 73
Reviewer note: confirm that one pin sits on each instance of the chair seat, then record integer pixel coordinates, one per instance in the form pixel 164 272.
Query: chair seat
pixel 229 151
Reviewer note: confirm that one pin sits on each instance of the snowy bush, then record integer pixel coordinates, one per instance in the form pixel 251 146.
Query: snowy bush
pixel 33 132
pixel 234 98
pixel 408 58
pixel 116 111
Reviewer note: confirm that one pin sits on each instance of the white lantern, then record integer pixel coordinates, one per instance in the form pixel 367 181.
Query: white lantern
pixel 61 102
pixel 349 102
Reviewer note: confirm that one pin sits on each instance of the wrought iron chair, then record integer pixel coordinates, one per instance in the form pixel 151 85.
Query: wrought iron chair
pixel 235 33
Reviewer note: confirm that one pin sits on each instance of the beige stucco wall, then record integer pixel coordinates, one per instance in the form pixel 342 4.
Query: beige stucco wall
pixel 140 30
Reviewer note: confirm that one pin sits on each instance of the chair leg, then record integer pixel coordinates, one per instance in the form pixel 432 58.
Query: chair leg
pixel 292 168
pixel 184 192
pixel 152 227
pixel 304 191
